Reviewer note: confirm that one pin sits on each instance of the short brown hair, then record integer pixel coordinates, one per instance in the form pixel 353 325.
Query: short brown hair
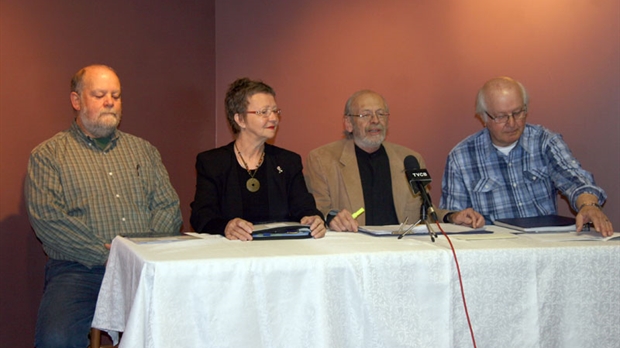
pixel 237 98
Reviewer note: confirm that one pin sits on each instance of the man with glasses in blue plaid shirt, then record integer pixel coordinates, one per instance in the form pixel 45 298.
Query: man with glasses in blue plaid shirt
pixel 513 169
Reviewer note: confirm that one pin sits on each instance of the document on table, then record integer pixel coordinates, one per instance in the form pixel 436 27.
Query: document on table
pixel 573 236
pixel 162 239
pixel 460 232
pixel 465 233
pixel 386 230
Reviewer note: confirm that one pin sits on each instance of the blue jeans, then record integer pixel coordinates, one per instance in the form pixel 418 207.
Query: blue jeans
pixel 68 304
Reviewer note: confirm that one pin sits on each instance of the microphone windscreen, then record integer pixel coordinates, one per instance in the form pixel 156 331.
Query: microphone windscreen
pixel 411 163
pixel 416 176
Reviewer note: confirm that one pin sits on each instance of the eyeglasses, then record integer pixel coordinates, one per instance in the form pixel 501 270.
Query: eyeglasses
pixel 266 112
pixel 517 115
pixel 367 115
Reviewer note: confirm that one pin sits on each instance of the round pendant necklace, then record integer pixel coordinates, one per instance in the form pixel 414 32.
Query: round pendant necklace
pixel 252 184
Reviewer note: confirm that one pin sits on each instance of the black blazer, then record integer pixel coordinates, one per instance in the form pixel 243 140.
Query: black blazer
pixel 217 198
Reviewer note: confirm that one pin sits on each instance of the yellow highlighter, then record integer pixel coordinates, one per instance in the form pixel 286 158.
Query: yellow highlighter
pixel 358 213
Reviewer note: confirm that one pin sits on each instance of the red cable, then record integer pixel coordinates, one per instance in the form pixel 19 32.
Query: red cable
pixel 458 270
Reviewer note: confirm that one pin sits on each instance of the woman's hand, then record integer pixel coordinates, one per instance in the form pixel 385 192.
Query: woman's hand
pixel 317 225
pixel 238 229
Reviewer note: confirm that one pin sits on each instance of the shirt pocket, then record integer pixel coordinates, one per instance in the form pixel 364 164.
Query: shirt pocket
pixel 538 183
pixel 485 194
pixel 485 185
pixel 489 197
pixel 535 175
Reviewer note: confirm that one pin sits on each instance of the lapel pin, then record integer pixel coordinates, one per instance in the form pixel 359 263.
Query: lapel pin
pixel 279 170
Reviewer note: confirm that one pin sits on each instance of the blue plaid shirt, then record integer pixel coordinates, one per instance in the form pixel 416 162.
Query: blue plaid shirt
pixel 524 183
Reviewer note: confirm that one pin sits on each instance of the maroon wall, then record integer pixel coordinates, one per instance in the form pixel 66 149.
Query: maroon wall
pixel 427 57
pixel 164 54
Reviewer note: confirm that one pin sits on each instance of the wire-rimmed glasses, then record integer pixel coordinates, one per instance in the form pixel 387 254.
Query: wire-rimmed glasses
pixel 367 115
pixel 266 112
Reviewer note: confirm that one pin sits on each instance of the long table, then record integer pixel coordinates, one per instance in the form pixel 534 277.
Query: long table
pixel 355 290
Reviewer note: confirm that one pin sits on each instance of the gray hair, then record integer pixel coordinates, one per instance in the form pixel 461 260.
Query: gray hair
pixel 498 82
pixel 77 81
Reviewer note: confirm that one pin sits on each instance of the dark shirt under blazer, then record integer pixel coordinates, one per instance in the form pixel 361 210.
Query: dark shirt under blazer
pixel 334 180
pixel 218 192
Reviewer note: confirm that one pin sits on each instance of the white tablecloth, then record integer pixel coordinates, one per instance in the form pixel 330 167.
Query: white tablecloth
pixel 355 290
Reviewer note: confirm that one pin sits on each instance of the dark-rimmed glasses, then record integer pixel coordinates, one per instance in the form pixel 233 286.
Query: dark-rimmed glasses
pixel 516 115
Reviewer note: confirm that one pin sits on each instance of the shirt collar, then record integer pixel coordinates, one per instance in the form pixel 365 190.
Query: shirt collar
pixel 370 156
pixel 485 143
pixel 525 141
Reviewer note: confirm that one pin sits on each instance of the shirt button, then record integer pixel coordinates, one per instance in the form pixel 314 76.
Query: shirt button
pixel 110 173
pixel 514 185
pixel 117 196
pixel 533 178
pixel 122 219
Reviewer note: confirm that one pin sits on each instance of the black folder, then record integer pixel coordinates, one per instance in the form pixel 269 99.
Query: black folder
pixel 281 230
pixel 544 223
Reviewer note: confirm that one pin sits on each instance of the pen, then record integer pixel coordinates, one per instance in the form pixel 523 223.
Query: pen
pixel 358 213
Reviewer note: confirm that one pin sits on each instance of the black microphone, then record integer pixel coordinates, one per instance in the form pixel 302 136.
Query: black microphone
pixel 418 179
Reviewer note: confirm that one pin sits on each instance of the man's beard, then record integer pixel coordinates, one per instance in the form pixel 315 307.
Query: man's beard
pixel 369 141
pixel 104 125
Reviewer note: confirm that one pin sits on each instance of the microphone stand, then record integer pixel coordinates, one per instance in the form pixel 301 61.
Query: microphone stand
pixel 409 229
pixel 423 218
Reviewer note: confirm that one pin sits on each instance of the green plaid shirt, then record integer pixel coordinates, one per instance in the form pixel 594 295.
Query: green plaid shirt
pixel 80 197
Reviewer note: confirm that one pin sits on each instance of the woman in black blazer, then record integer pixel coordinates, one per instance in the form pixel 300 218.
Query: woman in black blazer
pixel 249 181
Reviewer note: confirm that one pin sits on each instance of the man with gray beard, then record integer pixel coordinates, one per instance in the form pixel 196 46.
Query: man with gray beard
pixel 84 186
pixel 365 171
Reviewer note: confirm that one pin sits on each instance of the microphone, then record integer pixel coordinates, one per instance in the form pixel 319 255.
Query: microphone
pixel 418 179
pixel 415 174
